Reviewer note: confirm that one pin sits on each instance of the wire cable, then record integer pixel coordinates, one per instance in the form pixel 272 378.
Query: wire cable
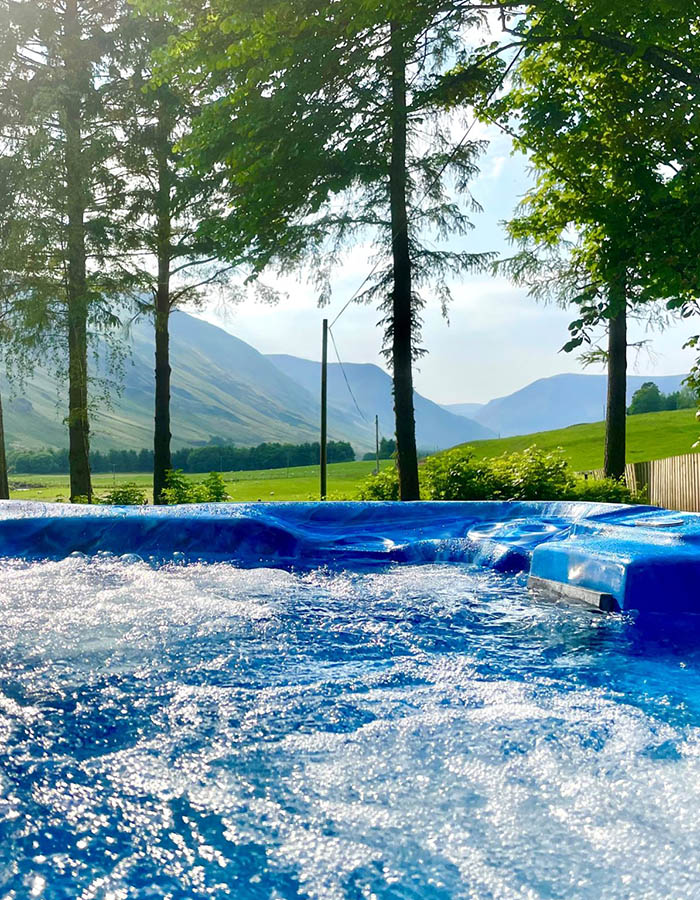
pixel 342 369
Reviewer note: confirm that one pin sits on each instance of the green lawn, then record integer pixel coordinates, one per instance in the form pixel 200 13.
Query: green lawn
pixel 649 436
pixel 301 483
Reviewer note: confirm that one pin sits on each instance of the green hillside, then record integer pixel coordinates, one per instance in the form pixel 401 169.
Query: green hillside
pixel 649 436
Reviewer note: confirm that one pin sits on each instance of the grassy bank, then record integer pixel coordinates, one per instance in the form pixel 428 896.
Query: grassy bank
pixel 649 436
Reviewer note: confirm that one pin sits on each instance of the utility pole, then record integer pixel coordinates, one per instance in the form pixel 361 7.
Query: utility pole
pixel 324 411
pixel 376 439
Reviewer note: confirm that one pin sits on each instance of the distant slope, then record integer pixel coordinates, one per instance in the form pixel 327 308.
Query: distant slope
pixel 221 388
pixel 436 428
pixel 468 410
pixel 559 401
pixel 649 436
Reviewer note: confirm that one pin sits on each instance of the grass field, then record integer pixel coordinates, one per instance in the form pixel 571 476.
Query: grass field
pixel 651 436
pixel 300 483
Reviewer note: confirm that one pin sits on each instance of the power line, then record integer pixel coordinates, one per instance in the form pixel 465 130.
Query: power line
pixel 342 369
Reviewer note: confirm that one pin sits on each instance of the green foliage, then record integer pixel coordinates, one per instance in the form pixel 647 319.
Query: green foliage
pixel 531 474
pixel 129 494
pixel 316 116
pixel 387 449
pixel 458 474
pixel 268 455
pixel 650 399
pixel 382 486
pixel 225 457
pixel 608 124
pixel 214 488
pixel 534 474
pixel 177 489
pixel 605 490
pixel 60 176
pixel 180 489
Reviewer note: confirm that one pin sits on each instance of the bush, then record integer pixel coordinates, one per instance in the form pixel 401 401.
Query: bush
pixel 528 475
pixel 532 474
pixel 606 490
pixel 383 486
pixel 179 490
pixel 458 475
pixel 125 495
pixel 215 488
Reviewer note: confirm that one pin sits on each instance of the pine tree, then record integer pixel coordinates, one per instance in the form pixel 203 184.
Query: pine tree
pixel 57 125
pixel 161 240
pixel 324 121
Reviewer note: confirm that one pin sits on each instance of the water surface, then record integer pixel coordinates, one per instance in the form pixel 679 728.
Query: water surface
pixel 423 732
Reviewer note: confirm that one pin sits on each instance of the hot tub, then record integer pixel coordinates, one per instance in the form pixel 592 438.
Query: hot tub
pixel 613 557
pixel 342 702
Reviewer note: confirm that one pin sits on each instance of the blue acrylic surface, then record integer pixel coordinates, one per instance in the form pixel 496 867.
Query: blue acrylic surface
pixel 403 732
pixel 647 559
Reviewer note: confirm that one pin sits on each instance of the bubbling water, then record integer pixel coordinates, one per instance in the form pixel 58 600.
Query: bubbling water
pixel 192 731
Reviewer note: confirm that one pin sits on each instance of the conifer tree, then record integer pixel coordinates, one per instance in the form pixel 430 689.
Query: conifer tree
pixel 162 241
pixel 324 122
pixel 57 126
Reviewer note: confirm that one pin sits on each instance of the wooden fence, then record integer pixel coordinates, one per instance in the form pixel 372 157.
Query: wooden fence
pixel 673 482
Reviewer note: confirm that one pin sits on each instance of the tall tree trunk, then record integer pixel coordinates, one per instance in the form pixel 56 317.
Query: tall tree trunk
pixel 4 485
pixel 402 297
pixel 616 413
pixel 78 423
pixel 161 434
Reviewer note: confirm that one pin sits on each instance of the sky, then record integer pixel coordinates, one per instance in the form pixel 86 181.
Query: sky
pixel 496 340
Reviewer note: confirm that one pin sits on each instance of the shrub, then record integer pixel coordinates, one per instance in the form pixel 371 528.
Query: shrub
pixel 125 495
pixel 458 475
pixel 532 474
pixel 606 490
pixel 383 486
pixel 215 488
pixel 179 490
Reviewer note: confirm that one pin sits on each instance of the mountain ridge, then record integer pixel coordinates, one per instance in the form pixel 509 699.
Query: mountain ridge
pixel 223 390
pixel 368 392
pixel 559 401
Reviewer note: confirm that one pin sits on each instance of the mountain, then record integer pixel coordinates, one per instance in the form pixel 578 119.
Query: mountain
pixel 468 410
pixel 436 428
pixel 221 388
pixel 560 401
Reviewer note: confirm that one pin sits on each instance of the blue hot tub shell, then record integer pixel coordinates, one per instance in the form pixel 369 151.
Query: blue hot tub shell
pixel 618 557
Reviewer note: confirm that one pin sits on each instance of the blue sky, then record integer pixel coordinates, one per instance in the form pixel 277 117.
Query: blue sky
pixel 497 339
